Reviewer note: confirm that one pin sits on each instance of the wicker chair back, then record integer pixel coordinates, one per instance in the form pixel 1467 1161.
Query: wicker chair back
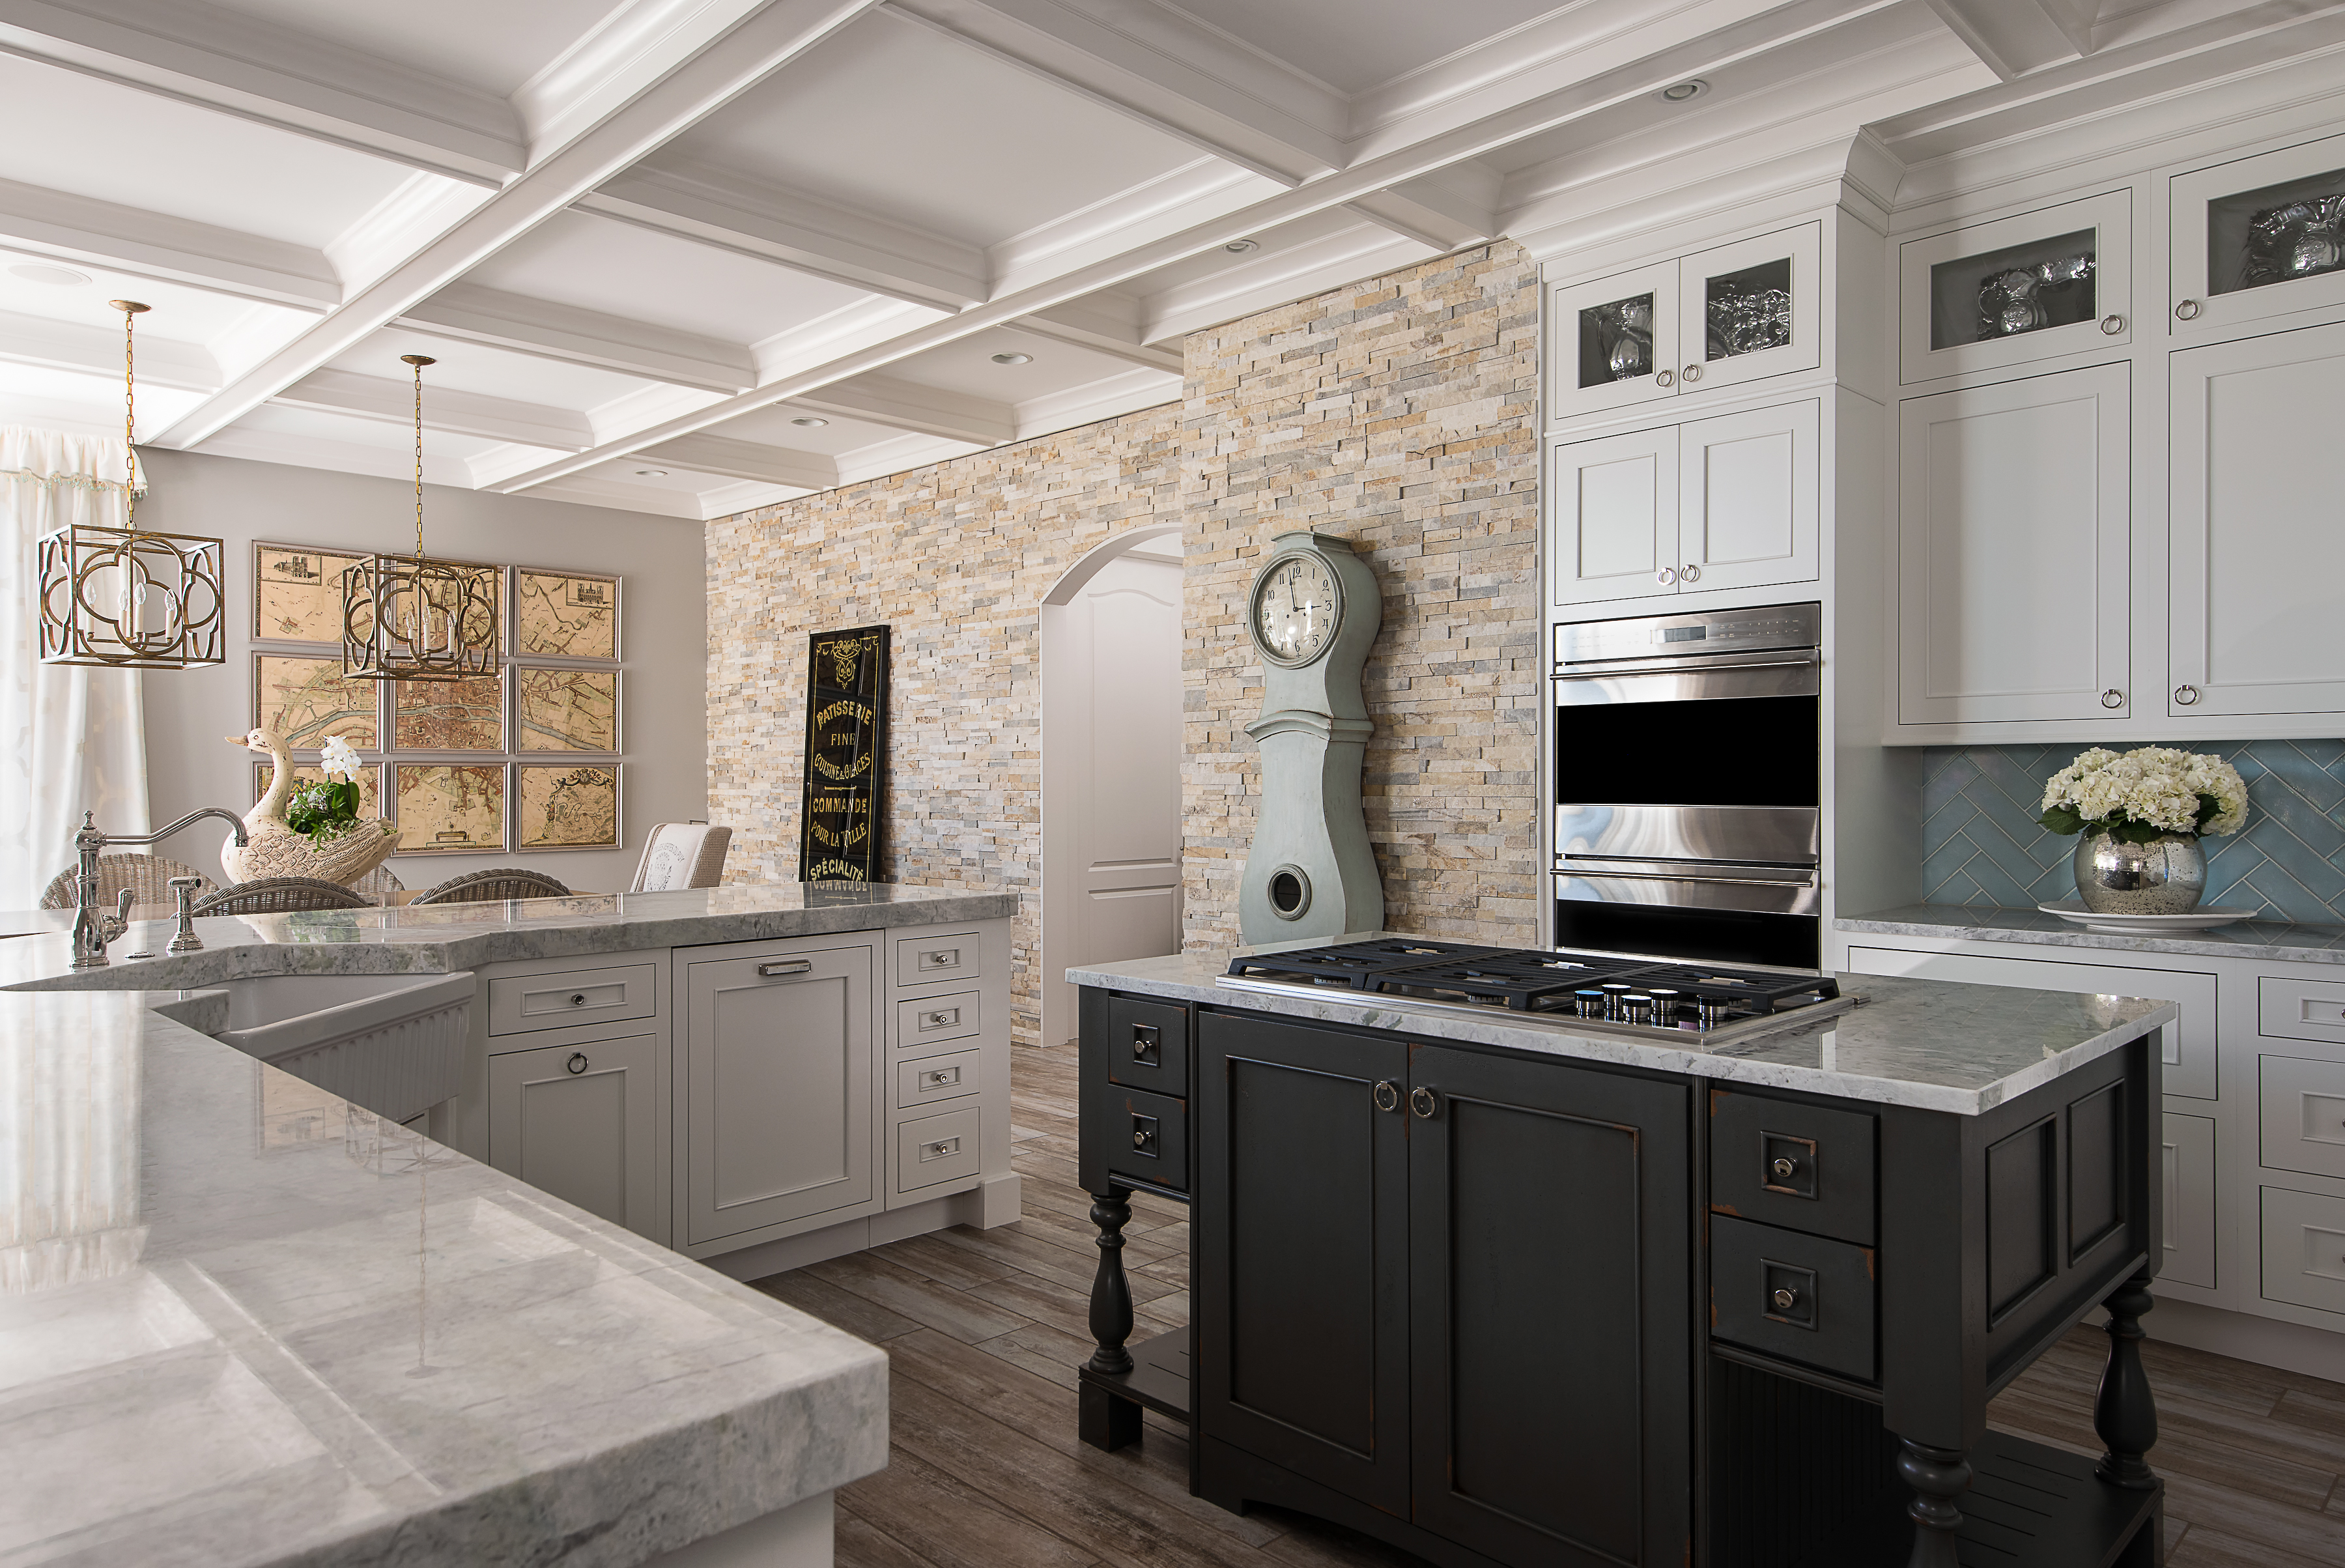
pixel 487 887
pixel 280 895
pixel 148 877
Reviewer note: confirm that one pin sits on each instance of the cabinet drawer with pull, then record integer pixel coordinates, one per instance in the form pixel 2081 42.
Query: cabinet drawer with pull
pixel 929 960
pixel 1148 1045
pixel 1808 1167
pixel 934 1078
pixel 2303 1115
pixel 1799 1296
pixel 924 1020
pixel 1147 1136
pixel 936 1149
pixel 522 1002
pixel 2289 1009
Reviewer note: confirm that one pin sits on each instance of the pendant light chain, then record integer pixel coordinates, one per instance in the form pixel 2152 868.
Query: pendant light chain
pixel 419 362
pixel 129 414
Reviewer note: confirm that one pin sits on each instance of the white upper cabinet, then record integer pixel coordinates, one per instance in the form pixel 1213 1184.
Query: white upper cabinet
pixel 1747 512
pixel 2033 287
pixel 1719 317
pixel 2257 551
pixel 2257 237
pixel 1722 502
pixel 1614 508
pixel 2011 550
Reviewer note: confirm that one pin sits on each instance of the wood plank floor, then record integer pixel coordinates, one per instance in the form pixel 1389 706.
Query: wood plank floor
pixel 983 1331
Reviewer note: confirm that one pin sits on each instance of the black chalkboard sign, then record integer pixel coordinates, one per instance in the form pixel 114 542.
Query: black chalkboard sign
pixel 845 755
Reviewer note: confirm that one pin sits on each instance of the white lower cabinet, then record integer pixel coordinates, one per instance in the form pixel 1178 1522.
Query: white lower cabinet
pixel 2304 1248
pixel 775 1082
pixel 583 1121
pixel 2188 1170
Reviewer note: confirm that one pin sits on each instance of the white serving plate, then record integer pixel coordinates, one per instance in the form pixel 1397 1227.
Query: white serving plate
pixel 2207 919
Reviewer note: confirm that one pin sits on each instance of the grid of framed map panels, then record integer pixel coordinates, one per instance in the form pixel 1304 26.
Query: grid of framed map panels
pixel 525 759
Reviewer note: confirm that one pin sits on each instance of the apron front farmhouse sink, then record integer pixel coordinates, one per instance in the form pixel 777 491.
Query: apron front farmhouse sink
pixel 392 1043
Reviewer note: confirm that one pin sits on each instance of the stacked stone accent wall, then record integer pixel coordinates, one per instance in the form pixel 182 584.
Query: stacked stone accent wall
pixel 1402 414
pixel 956 557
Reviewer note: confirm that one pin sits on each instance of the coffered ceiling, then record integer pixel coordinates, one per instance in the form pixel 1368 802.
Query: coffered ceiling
pixel 689 257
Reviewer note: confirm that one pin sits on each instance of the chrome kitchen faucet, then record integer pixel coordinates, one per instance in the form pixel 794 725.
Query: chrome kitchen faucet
pixel 93 928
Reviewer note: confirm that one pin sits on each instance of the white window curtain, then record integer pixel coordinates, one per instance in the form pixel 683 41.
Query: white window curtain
pixel 75 739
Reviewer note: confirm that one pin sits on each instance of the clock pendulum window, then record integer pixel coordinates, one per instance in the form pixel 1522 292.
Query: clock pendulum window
pixel 1313 614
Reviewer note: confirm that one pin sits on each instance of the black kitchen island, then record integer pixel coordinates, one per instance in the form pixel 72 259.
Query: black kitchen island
pixel 1673 1282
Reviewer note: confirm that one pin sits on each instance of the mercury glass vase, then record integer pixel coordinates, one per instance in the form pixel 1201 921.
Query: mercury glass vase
pixel 2165 876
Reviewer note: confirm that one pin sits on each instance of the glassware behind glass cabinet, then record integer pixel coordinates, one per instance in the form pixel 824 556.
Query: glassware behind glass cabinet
pixel 2276 233
pixel 1615 341
pixel 1748 311
pixel 2020 289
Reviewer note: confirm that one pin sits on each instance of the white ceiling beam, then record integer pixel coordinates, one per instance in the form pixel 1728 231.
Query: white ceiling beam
pixel 98 351
pixel 575 336
pixel 2013 37
pixel 909 406
pixel 735 459
pixel 393 401
pixel 1738 37
pixel 797 230
pixel 1078 325
pixel 1236 104
pixel 666 107
pixel 214 58
pixel 43 222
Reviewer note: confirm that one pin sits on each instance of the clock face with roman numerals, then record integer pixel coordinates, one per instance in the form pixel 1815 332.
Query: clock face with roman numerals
pixel 1297 606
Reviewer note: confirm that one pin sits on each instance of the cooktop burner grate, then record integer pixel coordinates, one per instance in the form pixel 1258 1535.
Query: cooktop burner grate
pixel 1354 965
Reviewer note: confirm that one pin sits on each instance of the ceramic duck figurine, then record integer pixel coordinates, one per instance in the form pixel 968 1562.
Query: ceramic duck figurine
pixel 275 850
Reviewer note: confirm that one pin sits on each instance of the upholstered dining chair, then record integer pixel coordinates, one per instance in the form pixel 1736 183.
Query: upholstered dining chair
pixel 682 855
pixel 149 878
pixel 487 887
pixel 282 895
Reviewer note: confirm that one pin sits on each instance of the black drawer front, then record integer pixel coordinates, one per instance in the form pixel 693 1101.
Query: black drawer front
pixel 1802 1166
pixel 1142 1134
pixel 1799 1296
pixel 1148 1045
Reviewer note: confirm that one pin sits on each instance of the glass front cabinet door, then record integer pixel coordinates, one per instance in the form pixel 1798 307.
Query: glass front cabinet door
pixel 1720 318
pixel 2258 237
pixel 2031 286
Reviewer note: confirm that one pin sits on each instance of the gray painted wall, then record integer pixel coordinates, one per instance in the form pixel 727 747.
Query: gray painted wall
pixel 663 609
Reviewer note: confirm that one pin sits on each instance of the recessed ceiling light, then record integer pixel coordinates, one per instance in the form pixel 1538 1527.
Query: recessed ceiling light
pixel 809 422
pixel 650 473
pixel 1240 247
pixel 61 277
pixel 1012 359
pixel 1683 92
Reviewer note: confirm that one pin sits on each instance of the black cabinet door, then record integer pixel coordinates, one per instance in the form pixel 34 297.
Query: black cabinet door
pixel 1551 1233
pixel 1301 1335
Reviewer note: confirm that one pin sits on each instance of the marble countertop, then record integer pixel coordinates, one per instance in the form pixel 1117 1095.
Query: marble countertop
pixel 1923 1043
pixel 2282 942
pixel 440 939
pixel 243 1322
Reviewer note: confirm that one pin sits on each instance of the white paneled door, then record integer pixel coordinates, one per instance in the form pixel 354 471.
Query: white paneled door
pixel 2012 551
pixel 1747 498
pixel 1615 500
pixel 1112 775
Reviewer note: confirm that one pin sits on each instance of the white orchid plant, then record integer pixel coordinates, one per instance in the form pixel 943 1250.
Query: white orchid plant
pixel 2142 794
pixel 328 811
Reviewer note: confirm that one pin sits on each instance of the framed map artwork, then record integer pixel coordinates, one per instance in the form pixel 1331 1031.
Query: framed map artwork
pixel 370 784
pixel 305 699
pixel 296 593
pixel 565 710
pixel 448 807
pixel 448 715
pixel 566 806
pixel 564 614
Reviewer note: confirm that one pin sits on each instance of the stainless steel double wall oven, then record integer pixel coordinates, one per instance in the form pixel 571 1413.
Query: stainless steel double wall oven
pixel 1688 784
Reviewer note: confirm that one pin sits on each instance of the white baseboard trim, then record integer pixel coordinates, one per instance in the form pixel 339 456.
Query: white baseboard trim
pixel 2267 1342
pixel 989 1204
pixel 799 1536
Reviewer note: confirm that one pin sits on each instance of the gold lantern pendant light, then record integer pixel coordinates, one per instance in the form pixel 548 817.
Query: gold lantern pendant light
pixel 408 617
pixel 127 597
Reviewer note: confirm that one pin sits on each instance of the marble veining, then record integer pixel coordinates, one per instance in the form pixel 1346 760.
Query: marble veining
pixel 2282 941
pixel 243 1322
pixel 440 939
pixel 1923 1043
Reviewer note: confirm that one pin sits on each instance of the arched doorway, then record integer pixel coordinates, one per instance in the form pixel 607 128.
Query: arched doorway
pixel 1111 636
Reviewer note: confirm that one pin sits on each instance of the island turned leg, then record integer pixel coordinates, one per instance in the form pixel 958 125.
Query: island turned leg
pixel 1106 1419
pixel 2124 1412
pixel 1938 1476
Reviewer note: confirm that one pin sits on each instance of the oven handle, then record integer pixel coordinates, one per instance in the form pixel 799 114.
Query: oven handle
pixel 1673 667
pixel 1574 868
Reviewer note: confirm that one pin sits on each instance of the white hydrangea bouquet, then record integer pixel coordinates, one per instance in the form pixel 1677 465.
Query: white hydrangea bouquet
pixel 2144 794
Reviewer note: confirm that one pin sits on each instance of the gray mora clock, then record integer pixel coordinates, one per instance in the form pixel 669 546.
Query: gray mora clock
pixel 1313 610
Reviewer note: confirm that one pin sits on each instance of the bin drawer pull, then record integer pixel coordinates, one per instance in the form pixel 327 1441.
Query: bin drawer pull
pixel 787 968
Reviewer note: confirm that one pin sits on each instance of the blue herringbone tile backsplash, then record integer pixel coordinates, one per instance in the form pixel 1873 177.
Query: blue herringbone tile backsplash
pixel 1980 844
